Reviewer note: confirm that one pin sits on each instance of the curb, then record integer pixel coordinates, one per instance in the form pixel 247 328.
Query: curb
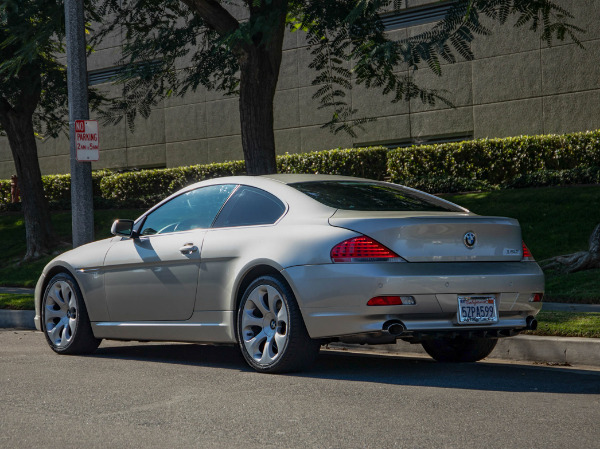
pixel 567 307
pixel 19 319
pixel 523 348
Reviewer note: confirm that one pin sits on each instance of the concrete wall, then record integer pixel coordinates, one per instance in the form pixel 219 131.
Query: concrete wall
pixel 516 85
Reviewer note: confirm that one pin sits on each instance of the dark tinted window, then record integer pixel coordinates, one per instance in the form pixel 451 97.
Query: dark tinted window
pixel 250 206
pixel 353 195
pixel 191 210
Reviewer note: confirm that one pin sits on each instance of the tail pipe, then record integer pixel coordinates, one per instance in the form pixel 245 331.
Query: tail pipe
pixel 394 327
pixel 531 323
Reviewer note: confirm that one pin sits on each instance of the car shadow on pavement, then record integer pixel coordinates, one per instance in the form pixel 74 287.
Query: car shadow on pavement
pixel 386 369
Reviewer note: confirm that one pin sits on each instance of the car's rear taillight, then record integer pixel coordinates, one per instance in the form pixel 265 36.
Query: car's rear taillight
pixel 363 249
pixel 536 297
pixel 392 301
pixel 527 256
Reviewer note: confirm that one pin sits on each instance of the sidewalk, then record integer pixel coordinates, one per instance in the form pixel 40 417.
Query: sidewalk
pixel 565 307
pixel 17 290
pixel 524 348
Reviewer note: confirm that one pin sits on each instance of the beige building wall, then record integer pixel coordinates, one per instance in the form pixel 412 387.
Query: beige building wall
pixel 516 85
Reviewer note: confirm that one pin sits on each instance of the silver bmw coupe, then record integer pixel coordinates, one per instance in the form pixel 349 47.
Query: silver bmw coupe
pixel 282 264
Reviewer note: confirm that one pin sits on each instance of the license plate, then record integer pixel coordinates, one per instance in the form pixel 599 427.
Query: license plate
pixel 477 309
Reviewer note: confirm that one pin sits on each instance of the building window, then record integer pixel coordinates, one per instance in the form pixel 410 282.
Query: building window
pixel 109 74
pixel 415 16
pixel 430 140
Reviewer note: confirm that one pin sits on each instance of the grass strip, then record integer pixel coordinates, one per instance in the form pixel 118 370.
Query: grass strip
pixel 568 324
pixel 16 301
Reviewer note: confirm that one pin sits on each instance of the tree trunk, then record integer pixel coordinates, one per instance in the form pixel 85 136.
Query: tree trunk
pixel 21 138
pixel 582 260
pixel 259 65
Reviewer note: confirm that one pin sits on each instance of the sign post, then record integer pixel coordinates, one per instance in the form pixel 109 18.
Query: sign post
pixel 82 205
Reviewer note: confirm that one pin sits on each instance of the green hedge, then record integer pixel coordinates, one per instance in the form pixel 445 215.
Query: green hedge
pixel 447 184
pixel 495 160
pixel 543 178
pixel 362 162
pixel 158 183
pixel 58 187
pixel 4 191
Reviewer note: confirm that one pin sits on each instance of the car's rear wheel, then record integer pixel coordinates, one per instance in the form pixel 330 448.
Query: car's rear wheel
pixel 270 329
pixel 65 321
pixel 459 349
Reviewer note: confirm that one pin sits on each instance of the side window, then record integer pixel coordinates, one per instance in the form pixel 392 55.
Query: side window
pixel 191 210
pixel 250 206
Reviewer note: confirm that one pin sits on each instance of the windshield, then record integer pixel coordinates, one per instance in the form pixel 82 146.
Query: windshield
pixel 366 196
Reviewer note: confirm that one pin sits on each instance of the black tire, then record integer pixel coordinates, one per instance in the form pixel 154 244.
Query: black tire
pixel 268 313
pixel 459 349
pixel 63 312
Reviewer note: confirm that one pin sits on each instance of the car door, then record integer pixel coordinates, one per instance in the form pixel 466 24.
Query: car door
pixel 154 276
pixel 237 235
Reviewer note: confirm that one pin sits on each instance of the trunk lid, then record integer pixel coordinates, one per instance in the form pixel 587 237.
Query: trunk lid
pixel 438 236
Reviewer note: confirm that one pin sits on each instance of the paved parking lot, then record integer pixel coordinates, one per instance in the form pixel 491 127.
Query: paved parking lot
pixel 180 395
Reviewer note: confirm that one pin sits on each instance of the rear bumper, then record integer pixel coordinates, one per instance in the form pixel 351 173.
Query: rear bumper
pixel 333 297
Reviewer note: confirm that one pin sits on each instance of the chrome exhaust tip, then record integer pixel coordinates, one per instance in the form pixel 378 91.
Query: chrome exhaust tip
pixel 531 323
pixel 394 327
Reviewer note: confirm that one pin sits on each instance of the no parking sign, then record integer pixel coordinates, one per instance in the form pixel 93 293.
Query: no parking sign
pixel 87 141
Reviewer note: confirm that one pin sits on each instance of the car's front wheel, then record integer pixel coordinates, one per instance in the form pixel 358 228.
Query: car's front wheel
pixel 65 321
pixel 270 328
pixel 459 349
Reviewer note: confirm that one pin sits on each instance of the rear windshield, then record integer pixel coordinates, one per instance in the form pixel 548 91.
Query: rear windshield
pixel 353 195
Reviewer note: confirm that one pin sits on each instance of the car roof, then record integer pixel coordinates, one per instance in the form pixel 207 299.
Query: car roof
pixel 290 178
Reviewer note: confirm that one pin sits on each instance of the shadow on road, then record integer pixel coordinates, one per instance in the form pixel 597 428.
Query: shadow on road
pixel 393 370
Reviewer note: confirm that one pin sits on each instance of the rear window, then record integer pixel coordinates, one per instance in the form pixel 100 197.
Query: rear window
pixel 250 206
pixel 352 195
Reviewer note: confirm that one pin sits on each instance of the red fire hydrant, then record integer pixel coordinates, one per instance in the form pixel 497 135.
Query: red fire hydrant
pixel 15 193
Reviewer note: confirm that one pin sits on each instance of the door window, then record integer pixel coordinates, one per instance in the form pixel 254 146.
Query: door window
pixel 195 209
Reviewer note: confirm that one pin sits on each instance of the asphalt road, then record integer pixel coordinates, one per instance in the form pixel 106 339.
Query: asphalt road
pixel 181 395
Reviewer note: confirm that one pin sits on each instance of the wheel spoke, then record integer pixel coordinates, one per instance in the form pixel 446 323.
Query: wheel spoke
pixel 64 336
pixel 72 302
pixel 55 332
pixel 280 340
pixel 282 315
pixel 72 323
pixel 55 296
pixel 253 344
pixel 272 299
pixel 65 292
pixel 50 313
pixel 268 354
pixel 256 297
pixel 248 319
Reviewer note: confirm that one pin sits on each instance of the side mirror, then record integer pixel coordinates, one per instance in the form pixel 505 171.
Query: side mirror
pixel 122 227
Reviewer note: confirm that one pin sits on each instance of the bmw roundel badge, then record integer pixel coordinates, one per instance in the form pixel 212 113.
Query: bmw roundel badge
pixel 469 239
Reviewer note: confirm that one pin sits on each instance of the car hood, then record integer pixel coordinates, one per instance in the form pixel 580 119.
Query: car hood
pixel 89 255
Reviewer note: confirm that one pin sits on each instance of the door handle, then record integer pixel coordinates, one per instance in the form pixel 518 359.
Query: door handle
pixel 188 248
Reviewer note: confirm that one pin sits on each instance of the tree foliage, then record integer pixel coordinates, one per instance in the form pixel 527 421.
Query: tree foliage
pixel 346 38
pixel 33 100
pixel 32 34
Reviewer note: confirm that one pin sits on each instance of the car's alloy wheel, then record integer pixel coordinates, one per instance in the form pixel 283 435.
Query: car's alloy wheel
pixel 64 317
pixel 459 349
pixel 270 329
